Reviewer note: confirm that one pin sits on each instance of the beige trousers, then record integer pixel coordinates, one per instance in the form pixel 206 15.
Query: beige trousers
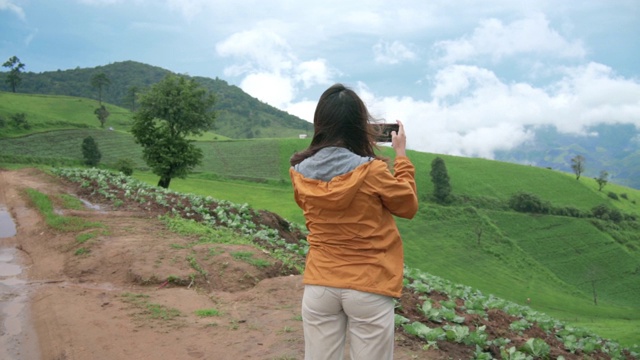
pixel 329 314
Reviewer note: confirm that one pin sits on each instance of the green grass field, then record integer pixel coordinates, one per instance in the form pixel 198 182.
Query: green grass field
pixel 53 112
pixel 557 262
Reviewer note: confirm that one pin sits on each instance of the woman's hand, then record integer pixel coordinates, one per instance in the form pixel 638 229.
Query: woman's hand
pixel 399 140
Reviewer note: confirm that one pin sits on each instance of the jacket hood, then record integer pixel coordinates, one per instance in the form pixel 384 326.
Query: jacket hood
pixel 330 178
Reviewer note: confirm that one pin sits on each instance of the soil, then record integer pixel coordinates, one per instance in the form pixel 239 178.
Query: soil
pixel 130 292
pixel 96 305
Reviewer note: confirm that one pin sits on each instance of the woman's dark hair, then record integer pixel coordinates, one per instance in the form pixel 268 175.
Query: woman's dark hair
pixel 341 119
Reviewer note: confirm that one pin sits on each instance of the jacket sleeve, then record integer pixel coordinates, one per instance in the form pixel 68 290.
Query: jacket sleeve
pixel 398 190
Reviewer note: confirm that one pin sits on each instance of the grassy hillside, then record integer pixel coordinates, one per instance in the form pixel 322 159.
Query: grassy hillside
pixel 239 115
pixel 53 112
pixel 240 159
pixel 557 262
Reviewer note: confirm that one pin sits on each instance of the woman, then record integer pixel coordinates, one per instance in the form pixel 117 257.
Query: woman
pixel 355 261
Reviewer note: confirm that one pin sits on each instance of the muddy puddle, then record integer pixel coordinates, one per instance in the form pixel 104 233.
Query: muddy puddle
pixel 7 226
pixel 17 339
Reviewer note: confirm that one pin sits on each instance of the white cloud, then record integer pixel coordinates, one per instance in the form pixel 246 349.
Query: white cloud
pixel 483 114
pixel 272 88
pixel 260 49
pixel 303 109
pixel 453 80
pixel 501 68
pixel 8 5
pixel 314 72
pixel 392 53
pixel 270 70
pixel 592 94
pixel 531 35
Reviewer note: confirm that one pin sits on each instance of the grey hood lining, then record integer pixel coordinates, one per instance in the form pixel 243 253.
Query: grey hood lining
pixel 330 162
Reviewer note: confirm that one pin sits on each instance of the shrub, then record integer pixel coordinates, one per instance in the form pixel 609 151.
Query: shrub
pixel 571 211
pixel 3 122
pixel 613 195
pixel 599 211
pixel 527 202
pixel 624 196
pixel 19 121
pixel 615 215
pixel 90 152
pixel 603 212
pixel 125 166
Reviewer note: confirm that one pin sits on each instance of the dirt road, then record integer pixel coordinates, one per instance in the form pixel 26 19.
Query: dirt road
pixel 117 290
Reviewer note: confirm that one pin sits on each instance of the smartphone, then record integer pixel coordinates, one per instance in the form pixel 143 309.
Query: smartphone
pixel 383 131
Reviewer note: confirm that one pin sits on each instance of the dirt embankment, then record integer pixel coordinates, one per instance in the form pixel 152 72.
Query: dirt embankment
pixel 125 289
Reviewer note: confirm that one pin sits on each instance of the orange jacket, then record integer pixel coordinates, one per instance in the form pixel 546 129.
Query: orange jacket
pixel 354 242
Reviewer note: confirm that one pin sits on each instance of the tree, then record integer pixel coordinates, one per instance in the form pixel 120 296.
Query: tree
pixel 478 229
pixel 99 81
pixel 577 164
pixel 172 110
pixel 602 179
pixel 440 179
pixel 90 151
pixel 102 113
pixel 15 68
pixel 130 97
pixel 593 276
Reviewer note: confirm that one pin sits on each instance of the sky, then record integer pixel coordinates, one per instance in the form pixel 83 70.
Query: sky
pixel 465 77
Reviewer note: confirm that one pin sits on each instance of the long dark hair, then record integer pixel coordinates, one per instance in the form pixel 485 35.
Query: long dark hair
pixel 341 119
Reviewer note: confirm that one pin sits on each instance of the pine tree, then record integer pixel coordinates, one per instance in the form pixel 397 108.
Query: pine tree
pixel 440 179
pixel 90 151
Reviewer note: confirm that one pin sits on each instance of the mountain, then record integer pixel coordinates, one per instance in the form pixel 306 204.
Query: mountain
pixel 612 148
pixel 239 115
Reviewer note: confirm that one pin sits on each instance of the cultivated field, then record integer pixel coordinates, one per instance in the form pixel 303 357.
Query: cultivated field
pixel 555 264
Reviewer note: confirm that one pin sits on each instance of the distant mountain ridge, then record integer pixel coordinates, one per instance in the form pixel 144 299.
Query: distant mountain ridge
pixel 611 148
pixel 239 115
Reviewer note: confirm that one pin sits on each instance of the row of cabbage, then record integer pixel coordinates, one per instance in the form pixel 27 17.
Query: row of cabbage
pixel 475 302
pixel 214 212
pixel 112 186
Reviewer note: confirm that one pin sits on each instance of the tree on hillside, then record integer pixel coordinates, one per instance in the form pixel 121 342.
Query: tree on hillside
pixel 99 81
pixel 170 112
pixel 577 164
pixel 602 179
pixel 90 152
pixel 440 179
pixel 13 76
pixel 130 97
pixel 593 276
pixel 478 230
pixel 102 113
